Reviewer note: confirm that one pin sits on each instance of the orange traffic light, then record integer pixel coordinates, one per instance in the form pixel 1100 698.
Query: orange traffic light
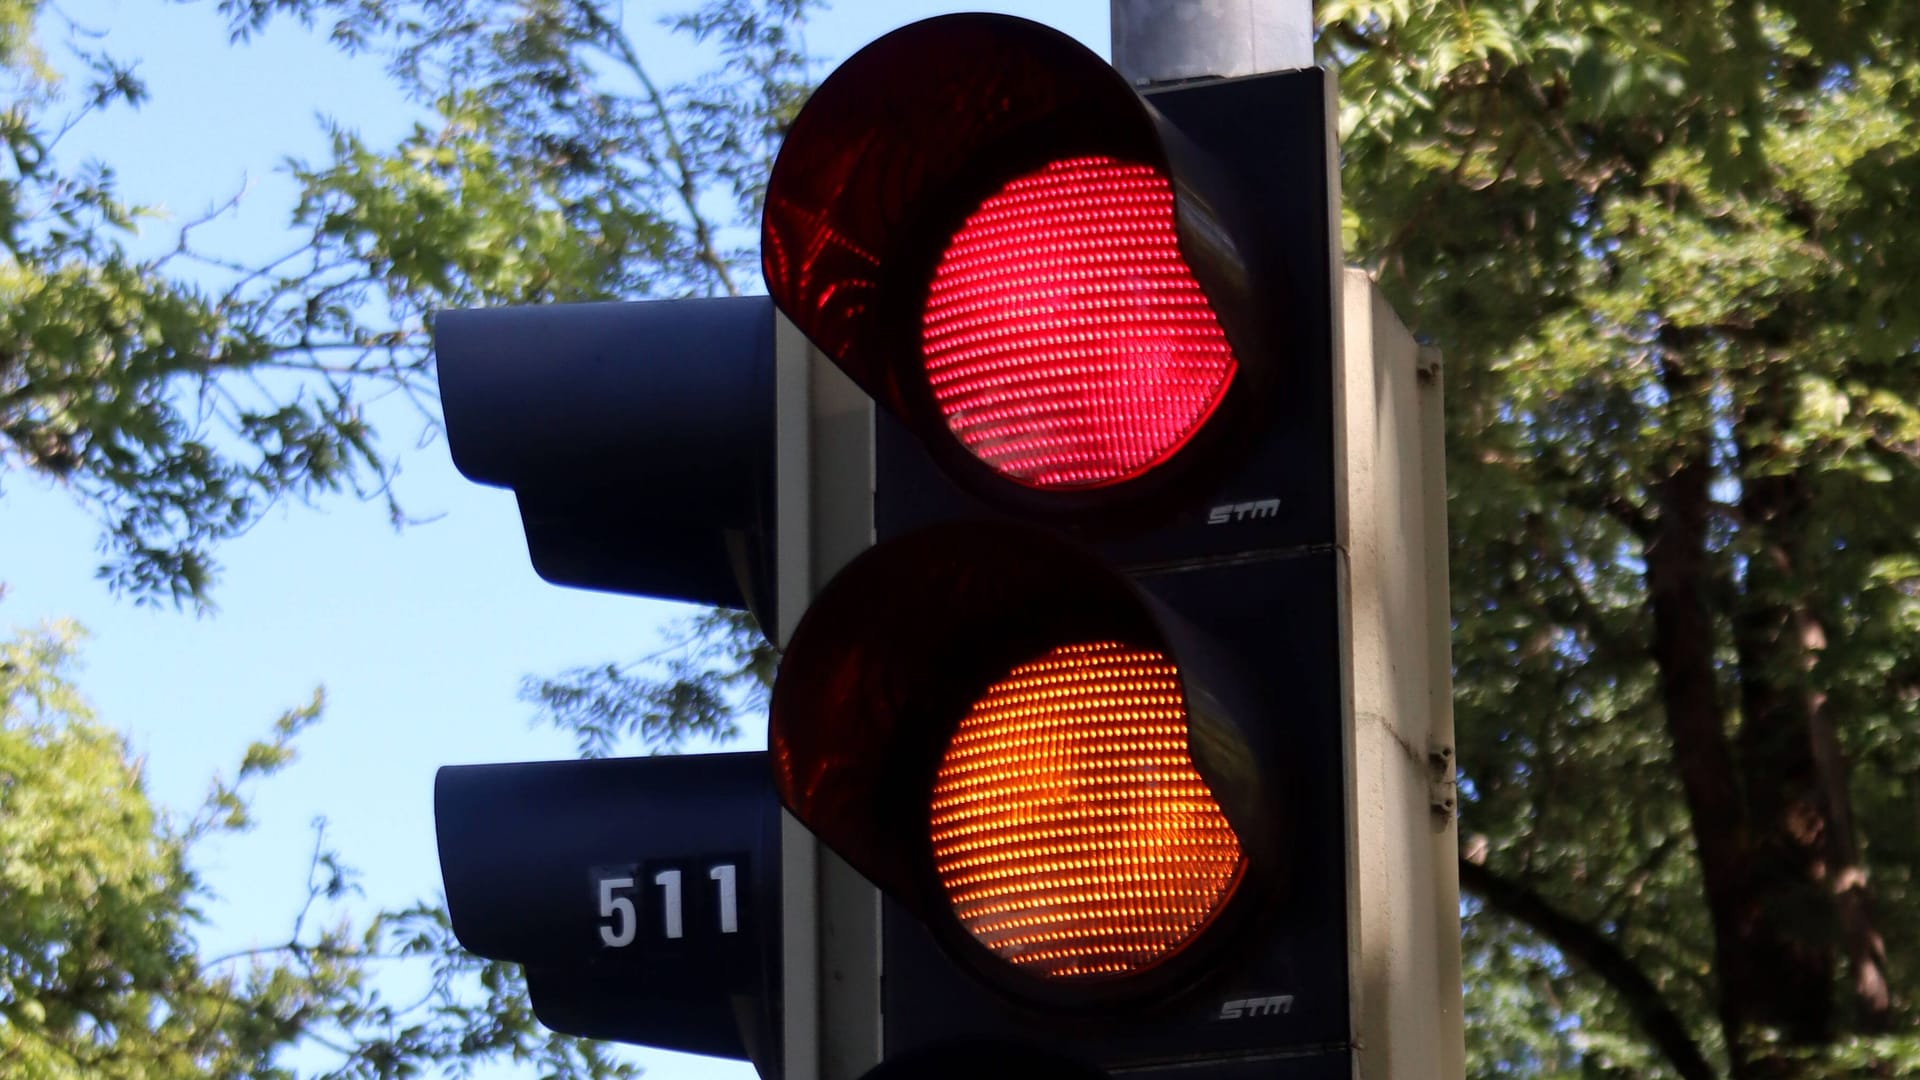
pixel 1076 713
pixel 1070 831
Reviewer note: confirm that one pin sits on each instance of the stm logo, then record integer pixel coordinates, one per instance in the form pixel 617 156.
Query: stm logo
pixel 1260 1006
pixel 1246 511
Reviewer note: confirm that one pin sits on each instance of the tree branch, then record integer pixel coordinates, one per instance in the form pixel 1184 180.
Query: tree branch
pixel 621 48
pixel 1599 954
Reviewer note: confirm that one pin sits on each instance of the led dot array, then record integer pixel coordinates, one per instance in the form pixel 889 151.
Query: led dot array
pixel 1070 830
pixel 1066 341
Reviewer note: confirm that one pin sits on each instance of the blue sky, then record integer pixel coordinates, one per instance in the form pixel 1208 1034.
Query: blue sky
pixel 421 636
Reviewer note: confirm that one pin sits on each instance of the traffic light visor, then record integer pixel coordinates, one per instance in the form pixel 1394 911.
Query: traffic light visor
pixel 1032 754
pixel 985 226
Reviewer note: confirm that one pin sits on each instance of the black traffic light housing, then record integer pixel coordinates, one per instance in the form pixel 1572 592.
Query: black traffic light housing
pixel 642 895
pixel 907 137
pixel 651 478
pixel 1155 599
pixel 1219 555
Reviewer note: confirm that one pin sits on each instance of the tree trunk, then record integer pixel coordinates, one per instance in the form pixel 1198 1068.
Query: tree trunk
pixel 1792 764
pixel 1789 814
pixel 1678 571
pixel 1772 815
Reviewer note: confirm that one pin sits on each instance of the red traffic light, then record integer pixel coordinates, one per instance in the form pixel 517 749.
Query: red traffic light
pixel 1094 759
pixel 1067 343
pixel 992 234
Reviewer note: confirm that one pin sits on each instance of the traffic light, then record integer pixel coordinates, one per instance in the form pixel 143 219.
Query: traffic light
pixel 637 438
pixel 1099 514
pixel 1107 713
pixel 641 896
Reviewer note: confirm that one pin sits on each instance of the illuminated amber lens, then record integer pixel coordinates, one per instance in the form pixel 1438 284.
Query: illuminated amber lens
pixel 1071 832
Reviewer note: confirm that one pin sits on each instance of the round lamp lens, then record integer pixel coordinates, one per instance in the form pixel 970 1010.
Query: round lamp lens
pixel 1066 341
pixel 1070 830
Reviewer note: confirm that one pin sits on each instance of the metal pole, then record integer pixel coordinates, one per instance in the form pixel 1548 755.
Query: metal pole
pixel 1402 876
pixel 830 915
pixel 1164 41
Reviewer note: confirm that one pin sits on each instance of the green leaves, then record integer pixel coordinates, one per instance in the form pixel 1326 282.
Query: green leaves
pixel 97 973
pixel 549 166
pixel 443 221
pixel 179 396
pixel 716 667
pixel 137 390
pixel 1652 238
pixel 100 973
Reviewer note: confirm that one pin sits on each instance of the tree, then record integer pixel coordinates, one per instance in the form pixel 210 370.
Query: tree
pixel 100 975
pixel 97 976
pixel 126 379
pixel 561 170
pixel 1669 254
pixel 179 396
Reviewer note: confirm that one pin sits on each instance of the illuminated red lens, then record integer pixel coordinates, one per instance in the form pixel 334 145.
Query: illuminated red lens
pixel 1066 340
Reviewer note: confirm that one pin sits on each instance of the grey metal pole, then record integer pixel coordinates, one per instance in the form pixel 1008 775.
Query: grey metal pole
pixel 1162 41
pixel 1402 879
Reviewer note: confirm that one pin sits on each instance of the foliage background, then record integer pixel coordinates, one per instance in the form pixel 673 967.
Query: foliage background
pixel 1666 249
